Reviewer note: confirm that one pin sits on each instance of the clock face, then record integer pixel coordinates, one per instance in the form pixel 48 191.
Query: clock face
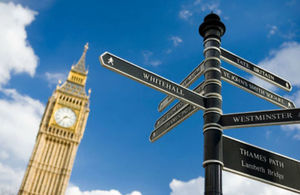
pixel 65 117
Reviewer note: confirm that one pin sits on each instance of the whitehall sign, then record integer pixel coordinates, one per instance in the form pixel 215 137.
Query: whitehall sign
pixel 259 164
pixel 150 79
pixel 253 69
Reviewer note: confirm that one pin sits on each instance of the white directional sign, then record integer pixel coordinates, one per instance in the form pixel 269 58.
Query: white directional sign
pixel 255 89
pixel 262 118
pixel 150 79
pixel 253 69
pixel 190 79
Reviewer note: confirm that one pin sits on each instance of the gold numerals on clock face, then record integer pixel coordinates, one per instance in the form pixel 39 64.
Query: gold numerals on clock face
pixel 65 117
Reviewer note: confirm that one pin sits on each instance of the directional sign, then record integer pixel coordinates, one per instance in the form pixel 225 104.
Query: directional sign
pixel 263 118
pixel 255 89
pixel 190 79
pixel 253 69
pixel 174 116
pixel 176 108
pixel 173 121
pixel 259 164
pixel 150 79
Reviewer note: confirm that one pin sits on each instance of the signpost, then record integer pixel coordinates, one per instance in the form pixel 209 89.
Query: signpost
pixel 150 79
pixel 253 69
pixel 262 165
pixel 222 152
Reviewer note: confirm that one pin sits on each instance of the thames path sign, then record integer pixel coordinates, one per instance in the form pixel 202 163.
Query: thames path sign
pixel 253 69
pixel 150 79
pixel 260 164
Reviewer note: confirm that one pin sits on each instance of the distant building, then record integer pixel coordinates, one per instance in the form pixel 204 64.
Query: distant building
pixel 61 130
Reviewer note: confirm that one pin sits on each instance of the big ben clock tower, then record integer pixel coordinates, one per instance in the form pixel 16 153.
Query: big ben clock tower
pixel 60 133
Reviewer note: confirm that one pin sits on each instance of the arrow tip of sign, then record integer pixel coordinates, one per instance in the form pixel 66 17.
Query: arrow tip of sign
pixel 289 86
pixel 151 138
pixel 101 57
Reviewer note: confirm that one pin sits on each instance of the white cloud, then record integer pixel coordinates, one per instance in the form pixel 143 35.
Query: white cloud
pixel 176 40
pixel 191 11
pixel 20 116
pixel 53 78
pixel 16 55
pixel 192 187
pixel 283 62
pixel 232 185
pixel 273 30
pixel 74 190
pixel 148 59
pixel 211 6
pixel 185 14
pixel 10 179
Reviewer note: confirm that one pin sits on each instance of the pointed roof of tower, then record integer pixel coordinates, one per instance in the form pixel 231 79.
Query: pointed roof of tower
pixel 80 66
pixel 75 83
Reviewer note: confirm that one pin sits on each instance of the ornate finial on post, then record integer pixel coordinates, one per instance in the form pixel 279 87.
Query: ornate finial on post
pixel 212 21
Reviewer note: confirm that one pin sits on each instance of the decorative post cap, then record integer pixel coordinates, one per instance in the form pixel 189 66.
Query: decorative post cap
pixel 212 21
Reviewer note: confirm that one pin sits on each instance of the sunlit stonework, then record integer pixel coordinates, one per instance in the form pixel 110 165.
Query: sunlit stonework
pixel 61 130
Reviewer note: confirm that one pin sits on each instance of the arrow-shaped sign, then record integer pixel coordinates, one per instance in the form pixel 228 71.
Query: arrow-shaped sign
pixel 255 89
pixel 262 118
pixel 177 107
pixel 183 114
pixel 190 79
pixel 150 79
pixel 178 113
pixel 254 69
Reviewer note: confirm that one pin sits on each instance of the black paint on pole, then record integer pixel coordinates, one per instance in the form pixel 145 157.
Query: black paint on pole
pixel 211 30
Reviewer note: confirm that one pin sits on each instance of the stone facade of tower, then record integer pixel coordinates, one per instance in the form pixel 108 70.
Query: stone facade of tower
pixel 61 130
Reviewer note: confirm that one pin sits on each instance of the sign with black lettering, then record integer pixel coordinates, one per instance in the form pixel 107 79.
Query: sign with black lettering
pixel 255 89
pixel 259 164
pixel 190 79
pixel 254 69
pixel 150 79
pixel 262 118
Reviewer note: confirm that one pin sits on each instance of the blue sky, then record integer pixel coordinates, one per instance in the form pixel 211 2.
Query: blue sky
pixel 40 40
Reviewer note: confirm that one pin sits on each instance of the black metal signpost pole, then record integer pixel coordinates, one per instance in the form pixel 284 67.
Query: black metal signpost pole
pixel 211 30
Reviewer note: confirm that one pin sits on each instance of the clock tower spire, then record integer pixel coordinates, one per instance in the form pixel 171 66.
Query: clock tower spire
pixel 61 130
